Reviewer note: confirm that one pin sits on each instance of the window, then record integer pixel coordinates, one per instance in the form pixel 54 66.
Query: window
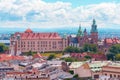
pixel 110 75
pixel 118 76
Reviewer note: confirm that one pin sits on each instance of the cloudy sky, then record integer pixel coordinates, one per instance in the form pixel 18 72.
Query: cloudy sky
pixel 59 13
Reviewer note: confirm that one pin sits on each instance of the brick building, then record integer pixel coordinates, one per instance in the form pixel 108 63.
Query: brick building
pixel 36 42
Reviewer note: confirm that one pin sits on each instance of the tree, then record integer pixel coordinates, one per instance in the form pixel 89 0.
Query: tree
pixel 71 49
pixel 117 57
pixel 30 53
pixel 115 49
pixel 71 72
pixel 51 56
pixel 110 56
pixel 76 76
pixel 70 59
pixel 90 47
pixel 3 48
pixel 88 57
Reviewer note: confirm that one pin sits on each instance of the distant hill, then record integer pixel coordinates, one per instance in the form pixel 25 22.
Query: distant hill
pixel 102 32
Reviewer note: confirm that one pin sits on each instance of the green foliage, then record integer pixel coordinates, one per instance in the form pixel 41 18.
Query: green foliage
pixel 76 76
pixel 30 53
pixel 3 48
pixel 51 56
pixel 110 56
pixel 87 47
pixel 87 57
pixel 117 56
pixel 115 49
pixel 90 47
pixel 70 59
pixel 71 72
pixel 71 49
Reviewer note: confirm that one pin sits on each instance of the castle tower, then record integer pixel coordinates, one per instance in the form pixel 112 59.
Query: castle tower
pixel 94 33
pixel 80 36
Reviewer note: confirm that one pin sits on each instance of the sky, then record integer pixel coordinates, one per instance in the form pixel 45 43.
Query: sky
pixel 59 13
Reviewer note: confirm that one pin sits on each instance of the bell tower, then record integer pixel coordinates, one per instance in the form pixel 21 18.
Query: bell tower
pixel 94 32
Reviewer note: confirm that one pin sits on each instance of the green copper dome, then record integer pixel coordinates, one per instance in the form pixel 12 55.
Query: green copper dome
pixel 80 33
pixel 94 26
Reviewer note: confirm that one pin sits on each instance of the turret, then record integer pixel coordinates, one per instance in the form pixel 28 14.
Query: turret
pixel 80 33
pixel 85 32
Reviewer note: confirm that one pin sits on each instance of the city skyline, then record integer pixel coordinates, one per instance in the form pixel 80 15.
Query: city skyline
pixel 59 13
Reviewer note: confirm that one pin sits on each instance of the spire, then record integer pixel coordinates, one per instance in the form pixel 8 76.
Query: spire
pixel 80 31
pixel 94 26
pixel 94 22
pixel 85 30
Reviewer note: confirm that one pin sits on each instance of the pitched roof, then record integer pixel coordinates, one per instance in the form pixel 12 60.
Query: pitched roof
pixel 86 66
pixel 32 35
pixel 76 64
pixel 97 65
pixel 38 55
pixel 112 40
pixel 7 57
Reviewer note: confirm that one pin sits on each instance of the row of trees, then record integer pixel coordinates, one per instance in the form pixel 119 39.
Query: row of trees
pixel 114 51
pixel 86 48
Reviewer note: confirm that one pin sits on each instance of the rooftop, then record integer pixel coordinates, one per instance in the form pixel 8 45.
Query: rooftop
pixel 76 64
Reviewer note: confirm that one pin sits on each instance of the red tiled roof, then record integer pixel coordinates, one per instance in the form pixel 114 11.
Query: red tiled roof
pixel 109 41
pixel 25 35
pixel 6 57
pixel 98 56
pixel 112 40
pixel 78 55
pixel 95 56
pixel 38 55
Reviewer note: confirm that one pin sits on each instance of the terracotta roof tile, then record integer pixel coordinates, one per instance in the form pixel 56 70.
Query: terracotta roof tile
pixel 7 57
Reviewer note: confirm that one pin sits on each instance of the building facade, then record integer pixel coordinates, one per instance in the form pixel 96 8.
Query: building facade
pixel 36 42
pixel 83 37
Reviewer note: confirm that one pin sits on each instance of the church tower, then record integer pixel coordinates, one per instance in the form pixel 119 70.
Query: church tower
pixel 94 33
pixel 80 36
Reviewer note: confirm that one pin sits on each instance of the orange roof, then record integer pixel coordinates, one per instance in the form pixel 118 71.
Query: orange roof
pixel 7 57
pixel 31 35
pixel 112 40
pixel 109 41
pixel 38 55
pixel 28 31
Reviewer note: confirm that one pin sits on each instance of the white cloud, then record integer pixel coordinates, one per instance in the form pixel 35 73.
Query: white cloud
pixel 59 13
